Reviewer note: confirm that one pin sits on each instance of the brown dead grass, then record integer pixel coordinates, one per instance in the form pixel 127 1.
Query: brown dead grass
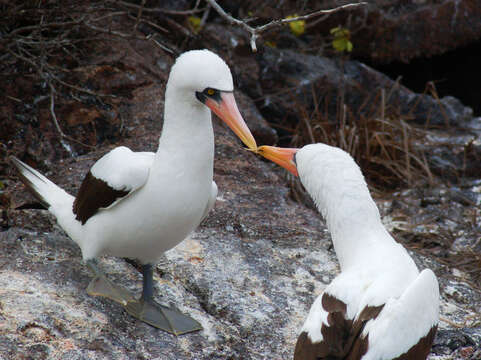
pixel 378 137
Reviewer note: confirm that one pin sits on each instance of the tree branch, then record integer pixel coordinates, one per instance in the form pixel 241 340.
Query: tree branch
pixel 158 10
pixel 255 32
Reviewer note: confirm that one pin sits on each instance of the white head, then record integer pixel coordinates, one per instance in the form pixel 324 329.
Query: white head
pixel 197 70
pixel 332 178
pixel 201 78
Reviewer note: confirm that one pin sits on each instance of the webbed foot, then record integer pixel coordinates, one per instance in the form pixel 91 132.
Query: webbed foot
pixel 101 286
pixel 145 309
pixel 162 317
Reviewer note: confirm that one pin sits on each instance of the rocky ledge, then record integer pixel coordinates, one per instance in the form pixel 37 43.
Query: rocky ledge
pixel 249 274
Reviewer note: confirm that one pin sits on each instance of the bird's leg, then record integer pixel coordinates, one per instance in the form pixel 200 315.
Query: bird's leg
pixel 159 316
pixel 148 282
pixel 102 286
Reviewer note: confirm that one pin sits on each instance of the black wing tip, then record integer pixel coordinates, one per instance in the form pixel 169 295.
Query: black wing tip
pixel 21 167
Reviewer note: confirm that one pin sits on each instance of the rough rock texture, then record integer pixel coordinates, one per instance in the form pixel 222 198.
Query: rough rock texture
pixel 406 30
pixel 294 84
pixel 310 76
pixel 388 30
pixel 249 275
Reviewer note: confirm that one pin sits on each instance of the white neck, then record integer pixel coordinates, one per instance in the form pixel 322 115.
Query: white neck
pixel 339 190
pixel 187 135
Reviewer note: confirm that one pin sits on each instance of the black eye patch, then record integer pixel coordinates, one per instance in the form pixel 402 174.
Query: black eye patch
pixel 208 93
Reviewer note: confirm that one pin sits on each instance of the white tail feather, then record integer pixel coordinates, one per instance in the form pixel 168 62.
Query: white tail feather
pixel 52 196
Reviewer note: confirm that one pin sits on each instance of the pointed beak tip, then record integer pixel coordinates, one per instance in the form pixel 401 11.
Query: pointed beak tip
pixel 229 113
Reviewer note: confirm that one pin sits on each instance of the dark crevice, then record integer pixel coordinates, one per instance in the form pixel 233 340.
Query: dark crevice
pixel 454 73
pixel 31 205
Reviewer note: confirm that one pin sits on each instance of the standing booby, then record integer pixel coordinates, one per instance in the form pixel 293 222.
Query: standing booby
pixel 139 204
pixel 380 307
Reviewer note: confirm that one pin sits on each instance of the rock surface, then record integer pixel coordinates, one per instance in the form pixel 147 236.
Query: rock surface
pixel 386 30
pixel 320 79
pixel 249 275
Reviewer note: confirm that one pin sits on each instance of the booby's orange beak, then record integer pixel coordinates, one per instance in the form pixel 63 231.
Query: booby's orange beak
pixel 226 109
pixel 281 156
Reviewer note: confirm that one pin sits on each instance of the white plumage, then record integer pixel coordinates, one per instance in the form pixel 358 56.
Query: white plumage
pixel 380 307
pixel 123 169
pixel 168 191
pixel 375 269
pixel 140 204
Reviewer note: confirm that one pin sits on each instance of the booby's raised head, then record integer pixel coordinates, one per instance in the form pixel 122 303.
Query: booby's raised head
pixel 202 77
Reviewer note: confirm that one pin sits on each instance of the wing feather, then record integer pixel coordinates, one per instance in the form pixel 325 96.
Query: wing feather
pixel 406 326
pixel 401 327
pixel 112 178
pixel 338 333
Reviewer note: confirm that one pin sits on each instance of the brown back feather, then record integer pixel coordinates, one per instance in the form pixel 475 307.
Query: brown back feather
pixel 341 338
pixel 94 194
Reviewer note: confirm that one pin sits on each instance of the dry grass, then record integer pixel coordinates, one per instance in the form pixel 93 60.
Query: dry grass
pixel 377 136
pixel 468 261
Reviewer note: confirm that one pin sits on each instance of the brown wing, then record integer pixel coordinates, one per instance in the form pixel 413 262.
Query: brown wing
pixel 341 337
pixel 94 194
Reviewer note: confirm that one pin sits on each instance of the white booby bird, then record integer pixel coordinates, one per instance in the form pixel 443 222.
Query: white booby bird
pixel 380 307
pixel 139 204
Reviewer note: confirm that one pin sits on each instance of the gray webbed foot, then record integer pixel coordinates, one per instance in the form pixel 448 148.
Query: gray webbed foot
pixel 102 286
pixel 162 317
pixel 144 309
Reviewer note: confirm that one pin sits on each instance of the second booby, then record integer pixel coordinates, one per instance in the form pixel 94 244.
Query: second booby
pixel 380 307
pixel 139 204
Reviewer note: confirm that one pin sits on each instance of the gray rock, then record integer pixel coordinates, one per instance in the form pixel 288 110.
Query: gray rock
pixel 306 75
pixel 249 274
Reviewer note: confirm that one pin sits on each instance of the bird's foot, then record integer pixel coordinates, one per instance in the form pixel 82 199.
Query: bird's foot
pixel 101 286
pixel 162 317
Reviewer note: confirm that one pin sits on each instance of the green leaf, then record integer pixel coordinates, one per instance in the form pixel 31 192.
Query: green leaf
pixel 194 22
pixel 349 46
pixel 297 27
pixel 341 41
pixel 339 45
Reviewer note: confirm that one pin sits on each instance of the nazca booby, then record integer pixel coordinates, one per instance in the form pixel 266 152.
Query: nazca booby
pixel 380 307
pixel 139 204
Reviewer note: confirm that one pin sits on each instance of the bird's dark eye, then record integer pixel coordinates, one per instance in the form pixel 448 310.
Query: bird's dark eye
pixel 208 93
pixel 214 94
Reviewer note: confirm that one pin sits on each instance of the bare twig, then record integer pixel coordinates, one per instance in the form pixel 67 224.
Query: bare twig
pixel 20 30
pixel 139 14
pixel 151 23
pixel 204 17
pixel 256 31
pixel 159 10
pixel 52 110
pixel 160 45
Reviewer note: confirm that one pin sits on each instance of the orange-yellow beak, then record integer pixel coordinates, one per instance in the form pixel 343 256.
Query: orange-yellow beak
pixel 281 156
pixel 227 110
